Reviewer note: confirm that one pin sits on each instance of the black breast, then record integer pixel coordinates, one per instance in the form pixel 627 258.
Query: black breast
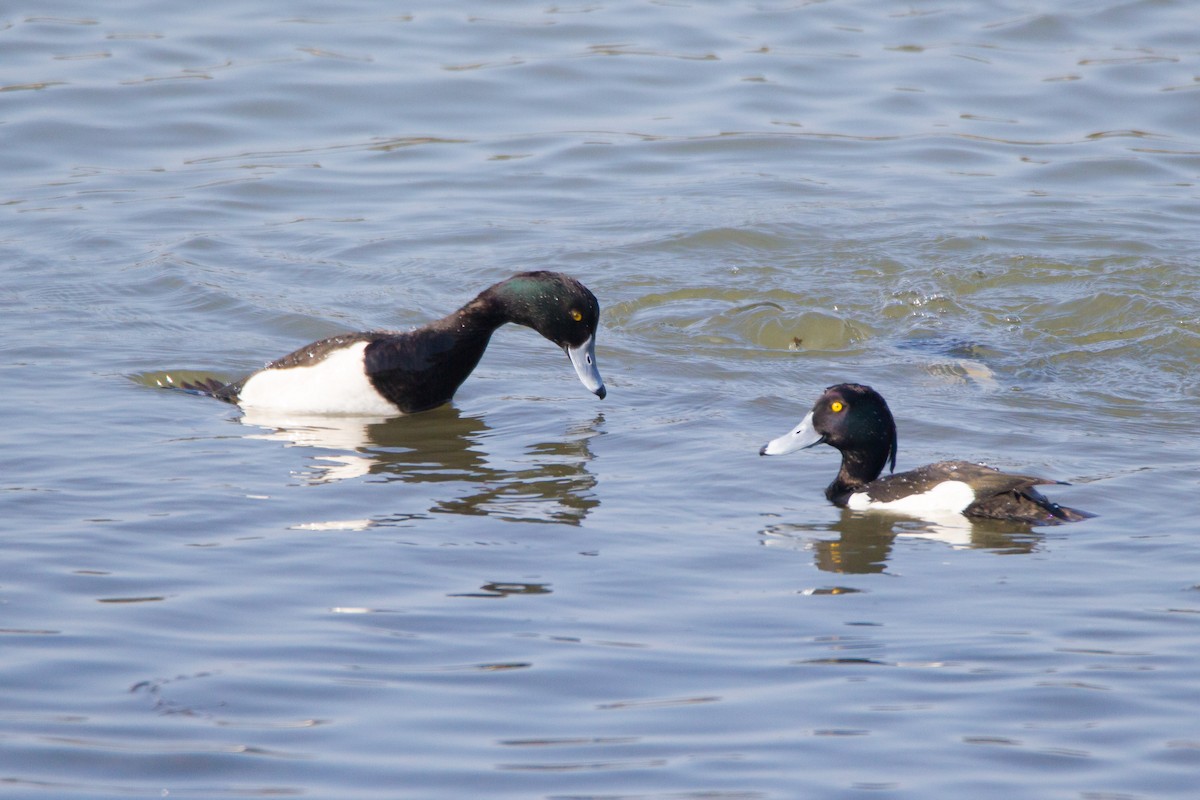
pixel 423 369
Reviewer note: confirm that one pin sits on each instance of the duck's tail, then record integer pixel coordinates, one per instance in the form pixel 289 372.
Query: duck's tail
pixel 1055 513
pixel 1067 514
pixel 198 383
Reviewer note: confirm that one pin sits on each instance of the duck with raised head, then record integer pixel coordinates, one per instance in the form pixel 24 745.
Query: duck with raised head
pixel 856 420
pixel 402 372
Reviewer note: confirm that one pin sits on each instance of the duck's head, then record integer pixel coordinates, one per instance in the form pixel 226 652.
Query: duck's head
pixel 851 417
pixel 564 311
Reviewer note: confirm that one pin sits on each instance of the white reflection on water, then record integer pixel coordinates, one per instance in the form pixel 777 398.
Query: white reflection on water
pixel 326 433
pixel 548 482
pixel 864 540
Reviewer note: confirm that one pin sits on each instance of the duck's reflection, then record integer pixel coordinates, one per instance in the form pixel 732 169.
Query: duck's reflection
pixel 437 445
pixel 556 483
pixel 864 541
pixel 549 484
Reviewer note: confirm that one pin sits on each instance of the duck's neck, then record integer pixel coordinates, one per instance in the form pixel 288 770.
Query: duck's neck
pixel 859 467
pixel 456 342
pixel 480 316
pixel 513 300
pixel 422 369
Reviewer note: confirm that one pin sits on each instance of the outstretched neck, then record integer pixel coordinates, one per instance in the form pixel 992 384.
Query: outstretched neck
pixel 515 300
pixel 451 347
pixel 457 341
pixel 483 315
pixel 423 368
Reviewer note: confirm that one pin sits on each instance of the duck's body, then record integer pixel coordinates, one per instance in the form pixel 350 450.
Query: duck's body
pixel 390 372
pixel 856 420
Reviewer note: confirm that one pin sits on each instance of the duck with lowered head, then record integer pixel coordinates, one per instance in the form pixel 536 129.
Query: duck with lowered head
pixel 401 372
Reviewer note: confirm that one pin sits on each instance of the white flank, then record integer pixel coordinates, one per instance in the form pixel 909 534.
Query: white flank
pixel 334 385
pixel 947 497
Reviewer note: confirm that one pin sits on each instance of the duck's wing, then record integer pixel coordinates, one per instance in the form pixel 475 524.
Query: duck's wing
pixel 998 495
pixel 321 349
pixel 983 480
pixel 1007 496
pixel 1025 505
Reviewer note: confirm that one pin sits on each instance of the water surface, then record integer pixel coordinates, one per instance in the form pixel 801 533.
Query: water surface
pixel 985 210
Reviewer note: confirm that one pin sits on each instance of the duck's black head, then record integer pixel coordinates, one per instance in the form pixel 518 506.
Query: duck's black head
pixel 558 307
pixel 853 418
pixel 555 305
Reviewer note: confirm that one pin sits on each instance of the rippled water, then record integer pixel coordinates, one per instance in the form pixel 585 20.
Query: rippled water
pixel 985 210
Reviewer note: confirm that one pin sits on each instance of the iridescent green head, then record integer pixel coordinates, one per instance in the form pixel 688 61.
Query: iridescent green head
pixel 560 308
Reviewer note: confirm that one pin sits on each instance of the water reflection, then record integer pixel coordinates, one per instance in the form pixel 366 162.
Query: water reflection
pixel 502 590
pixel 864 542
pixel 438 445
pixel 550 482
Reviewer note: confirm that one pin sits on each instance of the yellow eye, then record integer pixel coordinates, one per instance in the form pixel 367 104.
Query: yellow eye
pixel 576 314
pixel 836 406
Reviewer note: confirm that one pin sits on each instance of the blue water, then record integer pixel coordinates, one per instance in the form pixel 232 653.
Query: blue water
pixel 987 211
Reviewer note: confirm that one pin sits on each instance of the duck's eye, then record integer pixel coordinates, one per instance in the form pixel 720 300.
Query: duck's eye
pixel 576 314
pixel 836 406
